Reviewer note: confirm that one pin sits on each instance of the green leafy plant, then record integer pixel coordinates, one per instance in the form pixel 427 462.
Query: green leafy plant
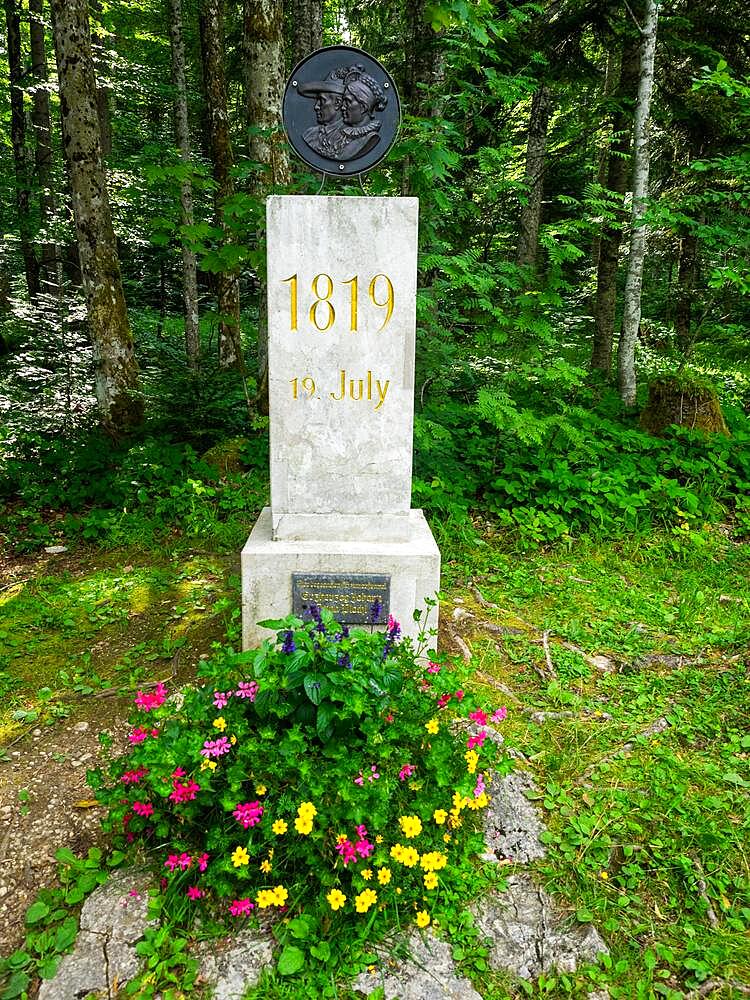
pixel 334 775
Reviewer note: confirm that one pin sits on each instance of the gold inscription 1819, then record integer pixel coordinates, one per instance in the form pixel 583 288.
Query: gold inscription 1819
pixel 322 312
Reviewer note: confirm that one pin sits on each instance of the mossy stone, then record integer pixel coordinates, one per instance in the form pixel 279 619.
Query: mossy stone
pixel 687 404
pixel 226 456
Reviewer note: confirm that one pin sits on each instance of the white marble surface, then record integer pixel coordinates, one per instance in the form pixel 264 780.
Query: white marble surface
pixel 343 447
pixel 268 564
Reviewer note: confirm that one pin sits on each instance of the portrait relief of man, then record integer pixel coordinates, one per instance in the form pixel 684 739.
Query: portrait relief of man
pixel 326 137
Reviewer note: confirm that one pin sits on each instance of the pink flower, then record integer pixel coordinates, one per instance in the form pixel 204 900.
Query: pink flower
pixel 143 809
pixel 478 716
pixel 133 777
pixel 241 907
pixel 424 684
pixel 361 830
pixel 172 862
pixel 374 776
pixel 202 862
pixel 247 689
pixel 138 735
pixel 184 792
pixel 480 786
pixel 221 698
pixel 389 717
pixel 478 740
pixel 216 748
pixel 499 714
pixel 347 851
pixel 147 701
pixel 359 780
pixel 184 861
pixel 406 772
pixel 248 813
pixel 364 848
pixel 179 772
pixel 459 695
pixel 433 668
pixel 443 700
pixel 194 892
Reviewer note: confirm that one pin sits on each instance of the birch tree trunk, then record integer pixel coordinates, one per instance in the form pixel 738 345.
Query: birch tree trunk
pixel 687 279
pixel 182 137
pixel 531 212
pixel 618 168
pixel 307 28
pixel 40 121
pixel 263 62
pixel 631 317
pixel 117 382
pixel 20 151
pixel 227 281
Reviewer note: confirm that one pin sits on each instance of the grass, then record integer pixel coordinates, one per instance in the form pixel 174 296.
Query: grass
pixel 647 832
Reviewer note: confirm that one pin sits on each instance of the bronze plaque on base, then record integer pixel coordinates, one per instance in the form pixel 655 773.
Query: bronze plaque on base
pixel 352 598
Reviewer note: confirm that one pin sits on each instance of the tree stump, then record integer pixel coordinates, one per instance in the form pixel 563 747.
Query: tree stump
pixel 671 401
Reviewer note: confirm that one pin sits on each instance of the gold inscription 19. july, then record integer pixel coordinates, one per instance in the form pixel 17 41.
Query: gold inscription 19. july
pixel 361 388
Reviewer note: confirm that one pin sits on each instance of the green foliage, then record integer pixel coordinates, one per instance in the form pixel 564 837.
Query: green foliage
pixel 333 784
pixel 52 928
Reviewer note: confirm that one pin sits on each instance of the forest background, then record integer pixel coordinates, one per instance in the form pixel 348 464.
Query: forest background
pixel 582 445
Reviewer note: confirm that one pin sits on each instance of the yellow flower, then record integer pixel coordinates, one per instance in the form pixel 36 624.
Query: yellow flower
pixel 265 898
pixel 396 851
pixel 265 867
pixel 220 723
pixel 409 857
pixel 307 809
pixel 423 918
pixel 232 739
pixel 279 827
pixel 336 899
pixel 365 900
pixel 432 726
pixel 479 802
pixel 604 875
pixel 430 880
pixel 261 790
pixel 398 890
pixel 280 895
pixel 378 839
pixel 341 838
pixel 433 861
pixel 208 765
pixel 366 874
pixel 384 875
pixel 240 857
pixel 411 825
pixel 472 759
pixel 446 838
pixel 270 854
pixel 303 825
pixel 440 816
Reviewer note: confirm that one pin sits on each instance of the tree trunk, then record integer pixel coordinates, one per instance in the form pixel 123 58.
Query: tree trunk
pixel 618 168
pixel 531 212
pixel 20 151
pixel 631 318
pixel 182 136
pixel 307 29
pixel 263 61
pixel 40 121
pixel 117 382
pixel 687 275
pixel 227 281
pixel 101 63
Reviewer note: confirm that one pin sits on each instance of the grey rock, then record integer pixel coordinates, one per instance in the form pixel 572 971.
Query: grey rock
pixel 55 550
pixel 113 919
pixel 528 936
pixel 427 974
pixel 233 966
pixel 512 827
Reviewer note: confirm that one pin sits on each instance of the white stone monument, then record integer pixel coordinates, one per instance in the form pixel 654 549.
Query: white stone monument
pixel 340 530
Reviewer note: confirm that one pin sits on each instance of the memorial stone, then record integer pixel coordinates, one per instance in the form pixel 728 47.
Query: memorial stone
pixel 340 531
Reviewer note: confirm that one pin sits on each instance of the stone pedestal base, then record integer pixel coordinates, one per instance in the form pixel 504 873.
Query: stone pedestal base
pixel 267 566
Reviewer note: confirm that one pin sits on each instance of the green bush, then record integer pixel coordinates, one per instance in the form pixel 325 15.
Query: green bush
pixel 326 773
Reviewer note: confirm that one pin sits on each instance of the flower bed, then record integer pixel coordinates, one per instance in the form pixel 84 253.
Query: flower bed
pixel 322 775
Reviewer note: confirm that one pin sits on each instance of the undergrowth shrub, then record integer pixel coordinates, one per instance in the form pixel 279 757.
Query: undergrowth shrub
pixel 328 774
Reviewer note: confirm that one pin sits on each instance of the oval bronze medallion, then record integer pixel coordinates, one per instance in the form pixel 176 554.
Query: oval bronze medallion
pixel 341 111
